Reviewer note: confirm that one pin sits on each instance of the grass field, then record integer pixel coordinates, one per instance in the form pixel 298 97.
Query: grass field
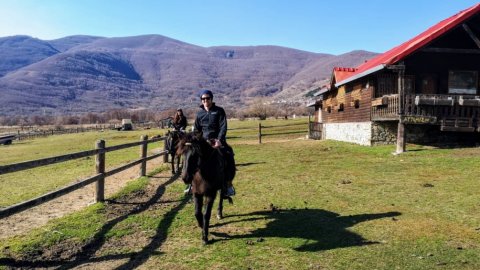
pixel 23 185
pixel 301 204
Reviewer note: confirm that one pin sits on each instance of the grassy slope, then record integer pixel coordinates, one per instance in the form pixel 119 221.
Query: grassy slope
pixel 340 206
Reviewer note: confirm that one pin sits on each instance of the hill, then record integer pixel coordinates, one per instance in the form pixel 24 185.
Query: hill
pixel 92 74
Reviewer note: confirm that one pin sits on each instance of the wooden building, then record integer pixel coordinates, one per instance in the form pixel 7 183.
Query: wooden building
pixel 425 90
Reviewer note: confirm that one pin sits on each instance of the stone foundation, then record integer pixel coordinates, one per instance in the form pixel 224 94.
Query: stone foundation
pixel 359 133
pixel 386 133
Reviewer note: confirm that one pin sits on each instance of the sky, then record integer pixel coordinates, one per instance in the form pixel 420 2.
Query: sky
pixel 321 26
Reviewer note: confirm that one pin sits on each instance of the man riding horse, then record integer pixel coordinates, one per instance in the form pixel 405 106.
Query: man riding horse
pixel 211 121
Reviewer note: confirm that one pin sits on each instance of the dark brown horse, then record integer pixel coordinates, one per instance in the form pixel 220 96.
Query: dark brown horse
pixel 172 141
pixel 207 170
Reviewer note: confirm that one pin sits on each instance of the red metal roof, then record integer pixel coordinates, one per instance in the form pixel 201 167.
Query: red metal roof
pixel 400 52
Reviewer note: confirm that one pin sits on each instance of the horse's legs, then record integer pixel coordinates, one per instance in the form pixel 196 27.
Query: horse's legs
pixel 206 218
pixel 198 201
pixel 220 205
pixel 173 162
pixel 178 163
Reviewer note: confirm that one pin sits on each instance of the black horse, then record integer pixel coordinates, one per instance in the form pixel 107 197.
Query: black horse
pixel 208 171
pixel 172 141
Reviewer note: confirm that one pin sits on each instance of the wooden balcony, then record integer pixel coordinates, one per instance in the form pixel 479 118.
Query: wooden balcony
pixel 451 112
pixel 385 108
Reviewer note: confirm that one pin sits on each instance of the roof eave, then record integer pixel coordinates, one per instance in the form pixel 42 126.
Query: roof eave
pixel 362 74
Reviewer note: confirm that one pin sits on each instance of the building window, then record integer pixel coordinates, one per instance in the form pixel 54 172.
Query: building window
pixel 356 104
pixel 329 109
pixel 462 82
pixel 341 107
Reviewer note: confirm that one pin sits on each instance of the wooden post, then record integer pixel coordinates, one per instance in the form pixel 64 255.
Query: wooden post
pixel 143 155
pixel 259 133
pixel 309 125
pixel 100 168
pixel 401 134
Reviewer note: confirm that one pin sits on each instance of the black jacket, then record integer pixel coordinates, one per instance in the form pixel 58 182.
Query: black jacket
pixel 213 124
pixel 182 124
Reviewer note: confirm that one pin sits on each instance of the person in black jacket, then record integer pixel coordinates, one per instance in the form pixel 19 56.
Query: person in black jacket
pixel 211 121
pixel 179 121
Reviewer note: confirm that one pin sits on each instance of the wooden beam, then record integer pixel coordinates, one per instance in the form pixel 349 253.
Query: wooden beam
pixel 380 101
pixel 471 34
pixel 396 67
pixel 401 138
pixel 451 50
pixel 45 161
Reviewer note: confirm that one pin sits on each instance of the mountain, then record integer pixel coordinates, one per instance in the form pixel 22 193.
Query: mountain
pixel 80 74
pixel 20 51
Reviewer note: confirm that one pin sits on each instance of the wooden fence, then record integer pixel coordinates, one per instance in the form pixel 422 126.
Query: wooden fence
pixel 36 133
pixel 99 178
pixel 31 133
pixel 274 130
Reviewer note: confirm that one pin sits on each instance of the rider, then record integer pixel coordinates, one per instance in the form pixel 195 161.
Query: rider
pixel 211 120
pixel 179 121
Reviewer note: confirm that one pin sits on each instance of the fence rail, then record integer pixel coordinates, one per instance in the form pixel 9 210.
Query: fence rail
pixel 273 130
pixel 99 178
pixel 32 133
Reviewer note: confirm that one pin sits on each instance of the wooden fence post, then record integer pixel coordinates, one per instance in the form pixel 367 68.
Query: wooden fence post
pixel 259 133
pixel 100 168
pixel 143 155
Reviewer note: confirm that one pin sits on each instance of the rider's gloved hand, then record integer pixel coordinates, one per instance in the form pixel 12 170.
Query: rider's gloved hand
pixel 217 144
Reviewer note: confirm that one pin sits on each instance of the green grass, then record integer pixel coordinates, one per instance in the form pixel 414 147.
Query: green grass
pixel 24 185
pixel 335 206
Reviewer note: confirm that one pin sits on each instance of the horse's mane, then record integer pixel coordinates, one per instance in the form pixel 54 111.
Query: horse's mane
pixel 198 144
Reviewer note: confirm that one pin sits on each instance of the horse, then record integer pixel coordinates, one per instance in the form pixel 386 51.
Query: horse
pixel 172 140
pixel 207 170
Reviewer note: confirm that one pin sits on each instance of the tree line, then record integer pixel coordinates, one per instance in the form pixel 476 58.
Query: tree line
pixel 258 109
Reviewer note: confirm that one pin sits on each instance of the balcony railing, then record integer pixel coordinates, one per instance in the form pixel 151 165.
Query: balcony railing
pixel 437 109
pixel 385 108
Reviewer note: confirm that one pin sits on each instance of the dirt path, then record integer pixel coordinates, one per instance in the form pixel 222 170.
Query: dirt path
pixel 38 216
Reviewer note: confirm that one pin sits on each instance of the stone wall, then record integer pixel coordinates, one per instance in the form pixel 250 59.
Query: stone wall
pixel 384 133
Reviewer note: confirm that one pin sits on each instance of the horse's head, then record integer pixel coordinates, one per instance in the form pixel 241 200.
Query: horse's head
pixel 189 146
